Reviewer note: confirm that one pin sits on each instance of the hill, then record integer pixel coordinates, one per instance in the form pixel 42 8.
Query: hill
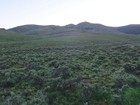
pixel 52 29
pixel 26 28
pixel 70 28
pixel 95 27
pixel 2 29
pixel 78 66
pixel 130 29
pixel 8 36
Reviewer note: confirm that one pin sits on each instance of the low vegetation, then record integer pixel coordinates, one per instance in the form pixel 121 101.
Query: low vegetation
pixel 85 69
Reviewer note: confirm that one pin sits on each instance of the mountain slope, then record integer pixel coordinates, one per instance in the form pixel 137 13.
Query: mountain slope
pixel 70 28
pixel 8 36
pixel 26 28
pixel 95 27
pixel 130 29
pixel 2 29
pixel 52 29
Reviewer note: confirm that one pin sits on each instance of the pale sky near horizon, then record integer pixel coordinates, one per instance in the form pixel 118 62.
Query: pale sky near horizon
pixel 61 12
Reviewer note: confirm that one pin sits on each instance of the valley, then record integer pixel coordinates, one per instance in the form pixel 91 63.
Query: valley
pixel 69 66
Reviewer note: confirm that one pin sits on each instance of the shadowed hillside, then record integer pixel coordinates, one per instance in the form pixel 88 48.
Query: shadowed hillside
pixel 83 26
pixel 130 29
pixel 52 29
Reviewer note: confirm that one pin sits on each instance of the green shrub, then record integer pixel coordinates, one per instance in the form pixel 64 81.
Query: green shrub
pixel 132 96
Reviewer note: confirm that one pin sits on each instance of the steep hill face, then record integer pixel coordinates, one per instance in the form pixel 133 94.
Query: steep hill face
pixel 130 29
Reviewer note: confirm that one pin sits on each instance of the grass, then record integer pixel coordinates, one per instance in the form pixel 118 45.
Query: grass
pixel 11 39
pixel 132 96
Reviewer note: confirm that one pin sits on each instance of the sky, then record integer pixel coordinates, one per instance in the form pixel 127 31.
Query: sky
pixel 61 12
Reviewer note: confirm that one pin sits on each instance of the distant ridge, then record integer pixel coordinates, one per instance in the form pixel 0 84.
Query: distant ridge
pixel 2 29
pixel 130 29
pixel 95 27
pixel 53 29
pixel 26 28
pixel 70 28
